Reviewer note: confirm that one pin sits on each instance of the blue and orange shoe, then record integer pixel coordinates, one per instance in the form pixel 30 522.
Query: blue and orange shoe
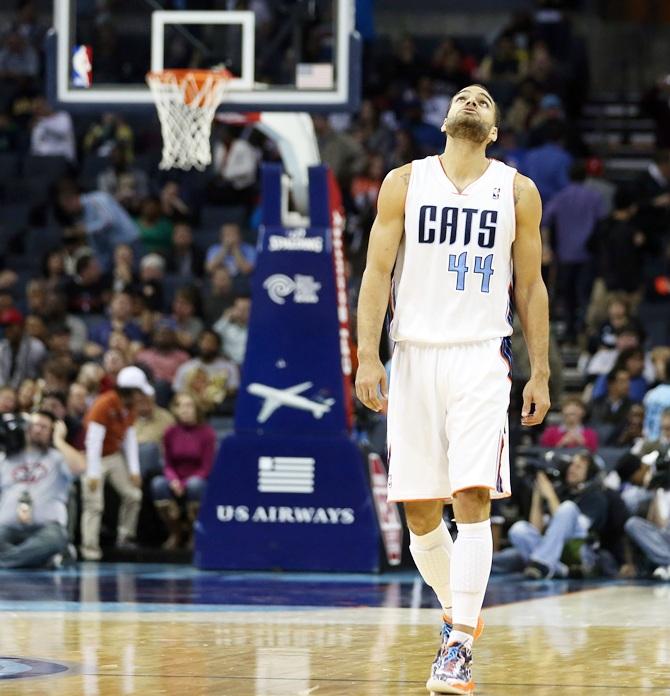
pixel 451 672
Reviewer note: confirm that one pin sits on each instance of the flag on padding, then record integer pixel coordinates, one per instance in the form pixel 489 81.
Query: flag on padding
pixel 286 474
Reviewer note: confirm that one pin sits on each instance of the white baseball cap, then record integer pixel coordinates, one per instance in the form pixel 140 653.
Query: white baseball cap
pixel 134 378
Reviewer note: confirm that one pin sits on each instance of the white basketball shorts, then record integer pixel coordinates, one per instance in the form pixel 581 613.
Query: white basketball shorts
pixel 447 420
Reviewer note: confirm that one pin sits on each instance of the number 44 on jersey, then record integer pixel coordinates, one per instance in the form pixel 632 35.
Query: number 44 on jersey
pixel 445 231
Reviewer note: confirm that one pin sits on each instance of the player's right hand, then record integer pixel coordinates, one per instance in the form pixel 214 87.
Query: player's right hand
pixel 371 384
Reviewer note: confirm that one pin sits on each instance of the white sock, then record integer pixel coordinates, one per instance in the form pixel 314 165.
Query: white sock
pixel 470 570
pixel 460 637
pixel 431 553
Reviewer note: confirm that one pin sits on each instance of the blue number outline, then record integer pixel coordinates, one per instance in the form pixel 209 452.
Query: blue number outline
pixel 460 268
pixel 486 269
pixel 483 266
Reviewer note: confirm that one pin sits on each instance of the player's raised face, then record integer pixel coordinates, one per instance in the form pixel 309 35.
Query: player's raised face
pixel 472 114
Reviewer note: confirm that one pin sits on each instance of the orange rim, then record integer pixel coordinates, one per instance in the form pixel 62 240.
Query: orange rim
pixel 192 80
pixel 199 76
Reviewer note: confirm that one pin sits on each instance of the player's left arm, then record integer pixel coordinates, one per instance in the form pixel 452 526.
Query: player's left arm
pixel 530 298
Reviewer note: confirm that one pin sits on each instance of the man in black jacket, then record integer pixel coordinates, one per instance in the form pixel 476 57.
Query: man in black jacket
pixel 578 508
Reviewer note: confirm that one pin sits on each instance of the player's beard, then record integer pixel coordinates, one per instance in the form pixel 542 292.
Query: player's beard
pixel 467 127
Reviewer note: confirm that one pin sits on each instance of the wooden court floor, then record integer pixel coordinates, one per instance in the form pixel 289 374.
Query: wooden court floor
pixel 613 639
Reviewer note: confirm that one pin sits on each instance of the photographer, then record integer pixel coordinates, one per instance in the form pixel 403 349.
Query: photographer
pixel 631 479
pixel 651 536
pixel 34 488
pixel 577 507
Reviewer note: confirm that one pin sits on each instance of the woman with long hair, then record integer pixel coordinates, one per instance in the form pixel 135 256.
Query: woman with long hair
pixel 189 455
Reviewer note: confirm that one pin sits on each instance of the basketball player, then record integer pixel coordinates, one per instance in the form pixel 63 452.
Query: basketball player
pixel 459 233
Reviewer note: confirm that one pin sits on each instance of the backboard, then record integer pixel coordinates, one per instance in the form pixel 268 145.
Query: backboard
pixel 285 55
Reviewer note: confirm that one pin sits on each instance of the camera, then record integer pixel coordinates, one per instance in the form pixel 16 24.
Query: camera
pixel 549 461
pixel 661 477
pixel 12 433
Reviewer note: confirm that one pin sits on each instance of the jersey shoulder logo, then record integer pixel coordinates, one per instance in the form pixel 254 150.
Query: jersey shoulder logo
pixel 496 193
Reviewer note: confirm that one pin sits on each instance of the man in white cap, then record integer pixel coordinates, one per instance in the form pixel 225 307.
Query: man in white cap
pixel 112 452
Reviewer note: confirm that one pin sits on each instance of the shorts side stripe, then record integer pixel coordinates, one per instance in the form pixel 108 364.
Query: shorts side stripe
pixel 499 483
pixel 506 354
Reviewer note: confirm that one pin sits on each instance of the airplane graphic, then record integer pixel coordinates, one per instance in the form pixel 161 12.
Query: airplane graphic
pixel 290 397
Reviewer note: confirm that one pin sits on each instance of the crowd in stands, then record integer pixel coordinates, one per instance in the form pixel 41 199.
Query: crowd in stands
pixel 125 301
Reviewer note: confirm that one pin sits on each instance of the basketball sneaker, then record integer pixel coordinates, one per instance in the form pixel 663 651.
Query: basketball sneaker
pixel 451 672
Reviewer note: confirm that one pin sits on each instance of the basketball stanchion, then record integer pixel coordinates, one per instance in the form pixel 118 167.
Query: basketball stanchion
pixel 289 487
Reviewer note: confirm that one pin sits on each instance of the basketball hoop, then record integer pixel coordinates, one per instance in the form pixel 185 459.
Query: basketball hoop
pixel 186 101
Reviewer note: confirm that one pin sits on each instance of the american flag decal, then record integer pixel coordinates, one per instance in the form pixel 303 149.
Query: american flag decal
pixel 286 474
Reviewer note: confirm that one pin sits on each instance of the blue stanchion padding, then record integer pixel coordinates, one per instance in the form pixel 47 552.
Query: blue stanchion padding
pixel 294 504
pixel 288 489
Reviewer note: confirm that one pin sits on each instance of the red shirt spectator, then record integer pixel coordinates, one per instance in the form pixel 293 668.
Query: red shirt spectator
pixel 189 444
pixel 571 432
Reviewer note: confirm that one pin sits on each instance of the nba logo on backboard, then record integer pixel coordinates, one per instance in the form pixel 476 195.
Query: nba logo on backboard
pixel 82 66
pixel 496 193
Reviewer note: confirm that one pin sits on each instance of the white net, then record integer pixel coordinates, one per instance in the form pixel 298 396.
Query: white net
pixel 186 102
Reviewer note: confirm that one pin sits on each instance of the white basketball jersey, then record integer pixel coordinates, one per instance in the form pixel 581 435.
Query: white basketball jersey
pixel 453 276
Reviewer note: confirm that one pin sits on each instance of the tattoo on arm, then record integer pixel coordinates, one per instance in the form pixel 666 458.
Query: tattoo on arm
pixel 518 188
pixel 405 178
